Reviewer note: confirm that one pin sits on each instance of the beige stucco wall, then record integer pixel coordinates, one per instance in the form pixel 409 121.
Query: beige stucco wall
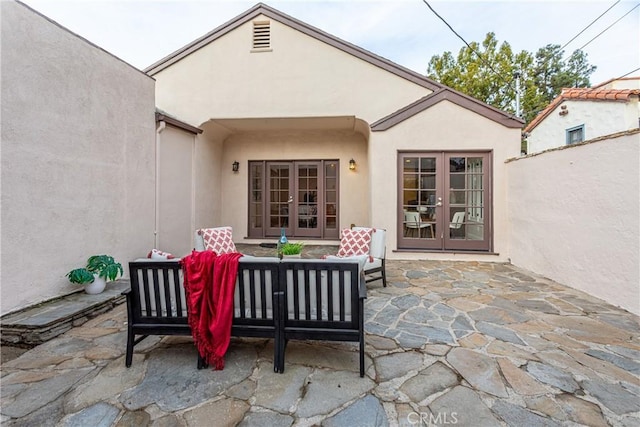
pixel 300 77
pixel 207 180
pixel 175 207
pixel 443 127
pixel 573 216
pixel 77 157
pixel 598 117
pixel 294 145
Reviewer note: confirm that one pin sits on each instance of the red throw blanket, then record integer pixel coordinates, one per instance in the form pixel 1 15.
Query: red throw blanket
pixel 209 283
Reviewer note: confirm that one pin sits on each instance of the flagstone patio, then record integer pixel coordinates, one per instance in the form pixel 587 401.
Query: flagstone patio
pixel 464 343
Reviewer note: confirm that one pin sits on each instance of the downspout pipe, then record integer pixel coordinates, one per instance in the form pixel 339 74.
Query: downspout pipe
pixel 159 128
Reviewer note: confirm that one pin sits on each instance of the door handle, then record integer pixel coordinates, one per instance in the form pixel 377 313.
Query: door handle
pixel 290 199
pixel 439 204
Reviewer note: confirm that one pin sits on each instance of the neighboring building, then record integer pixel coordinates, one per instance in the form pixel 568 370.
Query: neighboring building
pixel 580 114
pixel 292 106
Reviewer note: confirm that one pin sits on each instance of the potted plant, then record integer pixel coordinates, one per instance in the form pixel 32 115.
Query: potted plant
pixel 94 276
pixel 292 250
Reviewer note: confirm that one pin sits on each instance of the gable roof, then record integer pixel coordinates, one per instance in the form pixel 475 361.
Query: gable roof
pixel 444 92
pixel 276 15
pixel 451 95
pixel 583 94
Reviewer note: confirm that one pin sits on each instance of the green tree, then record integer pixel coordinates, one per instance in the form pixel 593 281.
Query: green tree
pixel 551 73
pixel 485 71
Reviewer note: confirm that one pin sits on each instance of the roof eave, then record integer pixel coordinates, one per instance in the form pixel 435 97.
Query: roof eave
pixel 161 116
pixel 204 40
pixel 451 95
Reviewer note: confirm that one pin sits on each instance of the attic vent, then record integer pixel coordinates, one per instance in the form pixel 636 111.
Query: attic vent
pixel 261 35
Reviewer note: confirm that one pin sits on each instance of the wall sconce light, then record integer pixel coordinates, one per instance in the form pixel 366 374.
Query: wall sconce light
pixel 352 165
pixel 235 166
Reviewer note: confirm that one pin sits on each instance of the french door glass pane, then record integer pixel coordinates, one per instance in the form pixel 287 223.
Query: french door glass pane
pixel 305 191
pixel 428 164
pixel 307 196
pixel 419 197
pixel 331 197
pixel 255 203
pixel 466 198
pixel 279 206
pixel 444 200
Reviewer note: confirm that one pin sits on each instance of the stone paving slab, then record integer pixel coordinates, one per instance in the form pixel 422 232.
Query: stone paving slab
pixel 38 324
pixel 448 343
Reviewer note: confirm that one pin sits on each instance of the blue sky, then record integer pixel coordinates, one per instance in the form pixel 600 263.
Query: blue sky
pixel 405 31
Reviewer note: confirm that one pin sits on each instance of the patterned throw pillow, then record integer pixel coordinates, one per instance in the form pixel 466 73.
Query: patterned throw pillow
pixel 158 254
pixel 218 240
pixel 355 242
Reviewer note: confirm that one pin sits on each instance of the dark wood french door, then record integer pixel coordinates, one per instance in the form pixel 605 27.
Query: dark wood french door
pixel 444 201
pixel 299 196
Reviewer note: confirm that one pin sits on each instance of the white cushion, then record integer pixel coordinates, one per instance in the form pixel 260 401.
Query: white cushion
pixel 247 290
pixel 362 260
pixel 323 315
pixel 170 285
pixel 377 263
pixel 198 242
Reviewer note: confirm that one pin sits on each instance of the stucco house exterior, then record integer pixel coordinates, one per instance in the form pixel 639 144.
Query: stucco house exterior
pixel 325 135
pixel 267 123
pixel 581 114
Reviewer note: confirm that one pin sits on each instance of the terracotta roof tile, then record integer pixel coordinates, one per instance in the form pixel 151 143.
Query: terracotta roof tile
pixel 608 94
pixel 583 94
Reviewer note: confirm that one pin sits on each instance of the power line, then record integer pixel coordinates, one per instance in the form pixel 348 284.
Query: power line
pixel 468 45
pixel 561 50
pixel 625 75
pixel 509 81
pixel 618 20
pixel 592 22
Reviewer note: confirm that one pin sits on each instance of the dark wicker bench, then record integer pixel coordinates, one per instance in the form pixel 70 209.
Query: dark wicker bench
pixel 299 299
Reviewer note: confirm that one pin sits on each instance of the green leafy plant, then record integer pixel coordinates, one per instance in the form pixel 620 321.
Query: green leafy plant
pixel 102 265
pixel 292 248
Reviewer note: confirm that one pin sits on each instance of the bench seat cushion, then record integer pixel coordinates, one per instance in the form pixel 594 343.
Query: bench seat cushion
pixel 376 263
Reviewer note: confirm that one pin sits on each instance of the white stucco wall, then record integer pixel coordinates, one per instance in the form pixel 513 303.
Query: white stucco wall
pixel 598 117
pixel 77 157
pixel 443 127
pixel 573 217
